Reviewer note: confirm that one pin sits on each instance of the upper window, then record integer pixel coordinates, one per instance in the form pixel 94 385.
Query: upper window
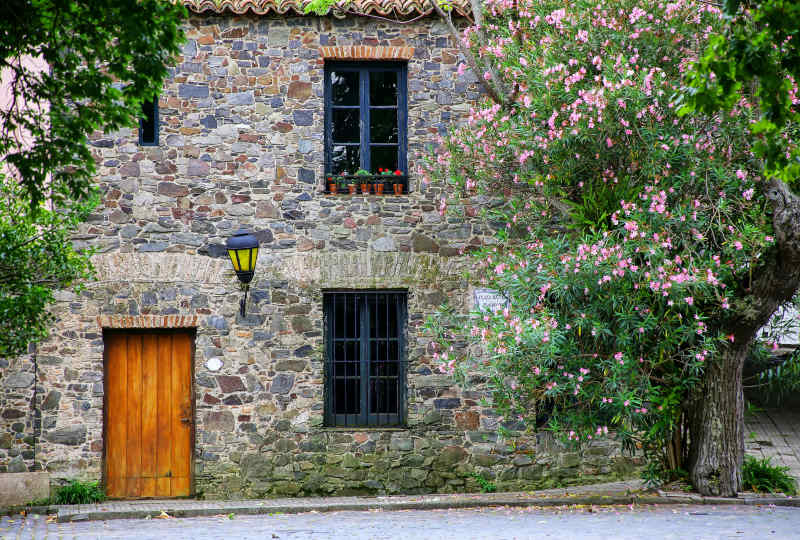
pixel 365 364
pixel 365 117
pixel 148 123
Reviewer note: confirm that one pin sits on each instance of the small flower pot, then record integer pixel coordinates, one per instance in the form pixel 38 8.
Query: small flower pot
pixel 378 189
pixel 333 188
pixel 365 189
pixel 352 189
pixel 398 189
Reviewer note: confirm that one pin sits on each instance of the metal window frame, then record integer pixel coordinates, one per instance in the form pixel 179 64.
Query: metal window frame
pixel 364 418
pixel 156 126
pixel 364 69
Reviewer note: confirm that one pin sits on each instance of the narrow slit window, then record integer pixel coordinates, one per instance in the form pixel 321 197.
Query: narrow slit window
pixel 365 365
pixel 148 123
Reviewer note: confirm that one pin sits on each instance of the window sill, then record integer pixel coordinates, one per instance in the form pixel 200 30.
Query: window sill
pixel 365 428
pixel 357 194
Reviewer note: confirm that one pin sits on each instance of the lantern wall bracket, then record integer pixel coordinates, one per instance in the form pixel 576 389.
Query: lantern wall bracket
pixel 243 251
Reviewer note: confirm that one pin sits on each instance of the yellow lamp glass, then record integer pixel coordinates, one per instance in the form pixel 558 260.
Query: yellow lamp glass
pixel 243 260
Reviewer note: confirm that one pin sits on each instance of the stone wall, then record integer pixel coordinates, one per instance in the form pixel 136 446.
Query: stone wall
pixel 242 145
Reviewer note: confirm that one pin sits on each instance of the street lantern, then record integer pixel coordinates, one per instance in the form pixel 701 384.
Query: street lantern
pixel 243 250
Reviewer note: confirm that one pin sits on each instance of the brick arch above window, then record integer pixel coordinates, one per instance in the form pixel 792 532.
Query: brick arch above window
pixel 365 52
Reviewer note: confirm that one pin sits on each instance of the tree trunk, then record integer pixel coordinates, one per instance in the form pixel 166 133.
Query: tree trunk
pixel 717 426
pixel 717 443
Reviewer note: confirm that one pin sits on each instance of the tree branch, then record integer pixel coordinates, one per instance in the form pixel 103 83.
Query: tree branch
pixel 469 57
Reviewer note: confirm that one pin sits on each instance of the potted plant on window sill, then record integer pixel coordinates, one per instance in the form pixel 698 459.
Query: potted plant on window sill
pixel 333 184
pixel 397 183
pixel 365 179
pixel 346 184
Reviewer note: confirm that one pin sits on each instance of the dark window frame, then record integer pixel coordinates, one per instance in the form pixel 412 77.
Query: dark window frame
pixel 364 418
pixel 364 69
pixel 155 123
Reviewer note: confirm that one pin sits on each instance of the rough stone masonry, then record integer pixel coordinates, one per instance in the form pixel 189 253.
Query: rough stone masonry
pixel 241 144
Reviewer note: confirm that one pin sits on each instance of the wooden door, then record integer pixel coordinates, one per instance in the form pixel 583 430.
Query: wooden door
pixel 149 414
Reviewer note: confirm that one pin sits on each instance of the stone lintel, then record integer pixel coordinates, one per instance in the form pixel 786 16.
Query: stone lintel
pixel 147 321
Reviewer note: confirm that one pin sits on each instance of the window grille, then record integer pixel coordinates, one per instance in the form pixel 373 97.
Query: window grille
pixel 365 369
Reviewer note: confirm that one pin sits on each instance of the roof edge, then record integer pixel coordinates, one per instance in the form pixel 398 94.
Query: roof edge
pixel 383 8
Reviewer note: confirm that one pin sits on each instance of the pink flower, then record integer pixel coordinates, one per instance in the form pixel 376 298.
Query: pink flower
pixel 737 245
pixel 748 194
pixel 462 67
pixel 689 300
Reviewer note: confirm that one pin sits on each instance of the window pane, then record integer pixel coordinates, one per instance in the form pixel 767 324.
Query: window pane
pixel 383 157
pixel 383 125
pixel 346 126
pixel 383 396
pixel 383 351
pixel 345 317
pixel 345 158
pixel 346 396
pixel 383 88
pixel 344 86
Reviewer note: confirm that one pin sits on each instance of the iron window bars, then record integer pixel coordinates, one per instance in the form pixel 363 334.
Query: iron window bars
pixel 366 118
pixel 365 366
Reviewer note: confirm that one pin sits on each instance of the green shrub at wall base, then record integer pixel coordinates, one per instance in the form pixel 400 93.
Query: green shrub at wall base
pixel 77 492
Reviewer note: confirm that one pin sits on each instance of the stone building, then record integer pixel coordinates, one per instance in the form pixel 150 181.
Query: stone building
pixel 154 383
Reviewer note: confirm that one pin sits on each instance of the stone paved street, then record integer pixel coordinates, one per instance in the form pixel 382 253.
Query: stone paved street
pixel 775 433
pixel 619 522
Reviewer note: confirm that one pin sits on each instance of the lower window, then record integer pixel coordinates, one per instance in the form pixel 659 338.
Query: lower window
pixel 365 358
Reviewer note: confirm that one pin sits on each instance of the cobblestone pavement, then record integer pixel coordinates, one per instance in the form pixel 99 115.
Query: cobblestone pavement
pixel 684 522
pixel 775 433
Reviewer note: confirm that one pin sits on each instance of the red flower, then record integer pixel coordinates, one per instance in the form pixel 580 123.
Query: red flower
pixel 398 172
pixel 380 170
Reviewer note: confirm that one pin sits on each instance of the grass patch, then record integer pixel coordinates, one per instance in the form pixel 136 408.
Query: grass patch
pixel 762 476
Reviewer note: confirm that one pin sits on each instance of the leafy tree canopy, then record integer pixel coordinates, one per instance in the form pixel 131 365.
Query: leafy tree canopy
pixel 70 67
pixel 103 57
pixel 758 53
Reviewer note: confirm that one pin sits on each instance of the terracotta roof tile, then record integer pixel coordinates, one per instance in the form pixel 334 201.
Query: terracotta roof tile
pixel 262 7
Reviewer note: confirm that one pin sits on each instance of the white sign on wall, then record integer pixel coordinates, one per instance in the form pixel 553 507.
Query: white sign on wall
pixel 490 300
pixel 214 364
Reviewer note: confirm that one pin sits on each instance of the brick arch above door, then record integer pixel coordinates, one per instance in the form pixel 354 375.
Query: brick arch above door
pixel 147 321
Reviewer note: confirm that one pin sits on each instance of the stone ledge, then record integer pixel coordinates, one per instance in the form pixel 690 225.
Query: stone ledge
pixel 21 488
pixel 147 321
pixel 364 52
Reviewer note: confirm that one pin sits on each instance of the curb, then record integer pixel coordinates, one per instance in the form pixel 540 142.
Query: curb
pixel 66 515
pixel 615 493
pixel 431 502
